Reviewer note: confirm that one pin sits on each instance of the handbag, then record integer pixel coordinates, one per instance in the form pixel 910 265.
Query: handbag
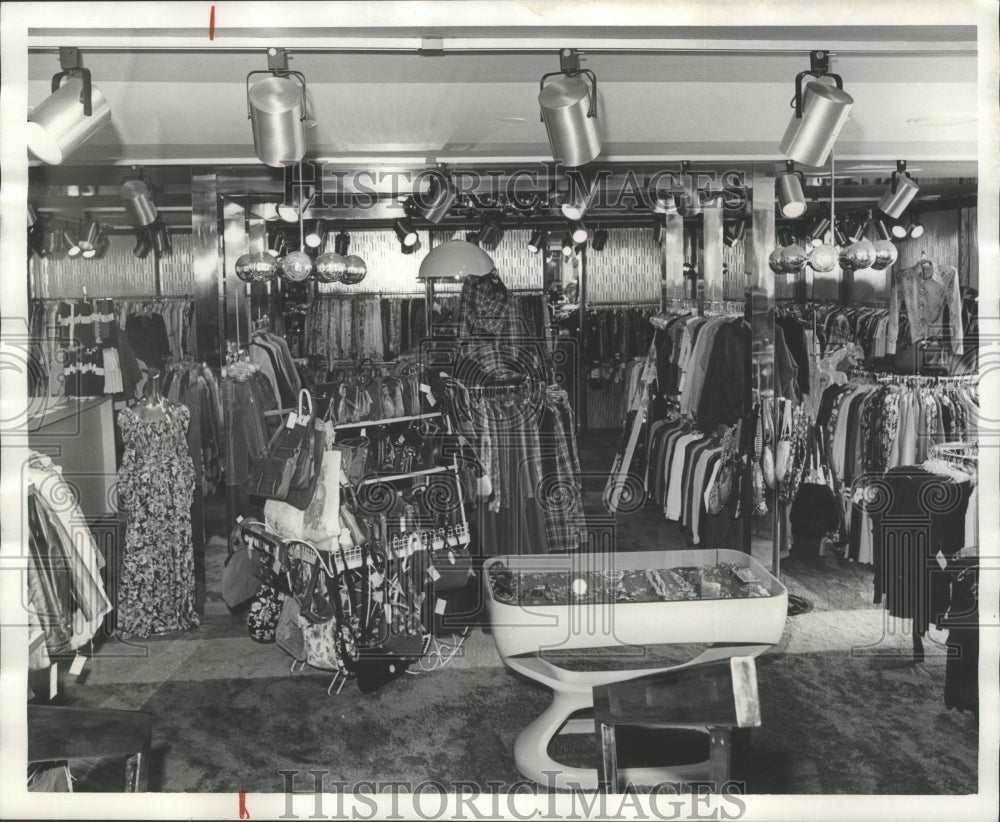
pixel 286 459
pixel 300 495
pixel 265 609
pixel 288 632
pixel 767 455
pixel 815 511
pixel 450 565
pixel 354 458
pixel 783 451
pixel 239 578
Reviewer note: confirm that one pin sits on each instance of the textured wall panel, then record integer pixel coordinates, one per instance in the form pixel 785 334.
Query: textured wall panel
pixel 627 270
pixel 117 273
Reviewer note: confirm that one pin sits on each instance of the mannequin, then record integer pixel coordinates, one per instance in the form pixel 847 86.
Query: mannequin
pixel 154 405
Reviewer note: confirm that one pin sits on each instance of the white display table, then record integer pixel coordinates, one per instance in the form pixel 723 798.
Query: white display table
pixel 745 626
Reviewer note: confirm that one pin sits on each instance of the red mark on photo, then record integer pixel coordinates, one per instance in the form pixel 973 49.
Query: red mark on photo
pixel 244 813
pixel 211 24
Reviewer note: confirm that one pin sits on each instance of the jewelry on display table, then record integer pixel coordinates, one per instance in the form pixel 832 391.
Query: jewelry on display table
pixel 629 600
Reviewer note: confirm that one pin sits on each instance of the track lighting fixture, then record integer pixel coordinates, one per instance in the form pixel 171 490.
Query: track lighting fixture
pixel 579 196
pixel 658 226
pixel 898 229
pixel 472 237
pixel 537 241
pixel 342 243
pixel 600 239
pixel 916 228
pixel 99 247
pixel 440 196
pixel 32 216
pixel 265 211
pixel 788 185
pixel 735 231
pixel 881 229
pixel 168 245
pixel 901 192
pixel 143 243
pixel 51 238
pixel 819 231
pixel 567 246
pixel 491 232
pixel 297 197
pixel 314 233
pixel 405 232
pixel 409 249
pixel 70 115
pixel 569 111
pixel 70 243
pixel 88 235
pixel 156 234
pixel 578 231
pixel 137 196
pixel 821 109
pixel 276 243
pixel 276 108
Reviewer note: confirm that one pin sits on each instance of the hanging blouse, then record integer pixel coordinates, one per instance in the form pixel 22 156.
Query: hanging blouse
pixel 925 297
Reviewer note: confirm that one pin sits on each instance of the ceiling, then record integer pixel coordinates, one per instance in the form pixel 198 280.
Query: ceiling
pixel 717 94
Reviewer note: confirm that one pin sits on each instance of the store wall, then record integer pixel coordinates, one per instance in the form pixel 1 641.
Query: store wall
pixel 117 274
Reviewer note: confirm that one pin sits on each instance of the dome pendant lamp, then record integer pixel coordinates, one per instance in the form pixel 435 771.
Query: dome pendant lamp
pixel 70 115
pixel 821 109
pixel 569 111
pixel 276 108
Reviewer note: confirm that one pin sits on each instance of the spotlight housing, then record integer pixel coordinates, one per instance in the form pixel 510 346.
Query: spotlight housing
pixel 314 234
pixel 405 232
pixel 788 185
pixel 439 198
pixel 599 240
pixel 569 111
pixel 901 192
pixel 735 232
pixel 491 232
pixel 70 243
pixel 567 246
pixel 537 241
pixel 143 243
pixel 70 115
pixel 916 228
pixel 342 243
pixel 88 235
pixel 138 199
pixel 276 108
pixel 578 231
pixel 821 109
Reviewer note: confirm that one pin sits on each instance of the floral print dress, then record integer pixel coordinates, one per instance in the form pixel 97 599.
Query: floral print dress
pixel 155 490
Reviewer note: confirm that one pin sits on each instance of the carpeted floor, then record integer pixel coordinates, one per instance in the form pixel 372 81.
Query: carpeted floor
pixel 844 708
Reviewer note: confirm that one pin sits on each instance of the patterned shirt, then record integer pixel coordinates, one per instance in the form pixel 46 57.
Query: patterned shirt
pixel 925 298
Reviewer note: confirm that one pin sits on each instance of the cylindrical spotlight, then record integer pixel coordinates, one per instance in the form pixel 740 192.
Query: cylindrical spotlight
pixel 737 232
pixel 791 200
pixel 809 138
pixel 70 243
pixel 58 125
pixel 537 241
pixel 276 105
pixel 439 198
pixel 143 244
pixel 168 243
pixel 600 239
pixel 342 243
pixel 569 111
pixel 490 233
pixel 578 231
pixel 405 232
pixel 901 192
pixel 159 243
pixel 899 230
pixel 567 246
pixel 314 233
pixel 138 201
pixel 103 243
pixel 32 215
pixel 575 202
pixel 916 228
pixel 658 226
pixel 819 231
pixel 88 236
pixel 472 237
pixel 52 239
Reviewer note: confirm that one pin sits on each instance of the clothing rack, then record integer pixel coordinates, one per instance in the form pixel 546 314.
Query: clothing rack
pixel 914 380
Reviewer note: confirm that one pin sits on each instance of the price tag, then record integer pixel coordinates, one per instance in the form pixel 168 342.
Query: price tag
pixel 276 565
pixel 303 419
pixel 440 606
pixel 432 572
pixel 53 680
pixel 452 539
pixel 77 667
pixel 437 543
pixel 402 523
pixel 462 440
pixel 364 432
pixel 941 561
pixel 239 518
pixel 291 420
pixel 430 399
pixel 377 596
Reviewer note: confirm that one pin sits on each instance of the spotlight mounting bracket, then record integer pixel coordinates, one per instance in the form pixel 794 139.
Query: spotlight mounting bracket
pixel 569 64
pixel 900 170
pixel 72 65
pixel 819 66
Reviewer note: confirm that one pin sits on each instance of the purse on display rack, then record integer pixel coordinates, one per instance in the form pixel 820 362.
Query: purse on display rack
pixel 288 460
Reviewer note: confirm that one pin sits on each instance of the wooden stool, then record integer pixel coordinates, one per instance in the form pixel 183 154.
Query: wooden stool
pixel 718 696
pixel 56 733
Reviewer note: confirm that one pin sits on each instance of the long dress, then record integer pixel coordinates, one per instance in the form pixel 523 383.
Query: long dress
pixel 155 489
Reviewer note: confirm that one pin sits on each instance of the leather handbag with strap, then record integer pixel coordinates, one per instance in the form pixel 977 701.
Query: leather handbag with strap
pixel 287 458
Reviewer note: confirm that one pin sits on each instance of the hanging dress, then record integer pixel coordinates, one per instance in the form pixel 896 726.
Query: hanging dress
pixel 155 489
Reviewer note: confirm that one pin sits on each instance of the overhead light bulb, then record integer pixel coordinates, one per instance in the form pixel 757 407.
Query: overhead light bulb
pixel 916 228
pixel 567 246
pixel 88 236
pixel 788 186
pixel 73 113
pixel 405 232
pixel 575 203
pixel 578 231
pixel 537 241
pixel 900 194
pixel 899 230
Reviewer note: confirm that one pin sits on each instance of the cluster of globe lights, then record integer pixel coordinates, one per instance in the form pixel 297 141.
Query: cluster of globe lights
pixel 853 255
pixel 298 266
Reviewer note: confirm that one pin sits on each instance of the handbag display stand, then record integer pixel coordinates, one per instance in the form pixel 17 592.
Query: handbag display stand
pixel 258 538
